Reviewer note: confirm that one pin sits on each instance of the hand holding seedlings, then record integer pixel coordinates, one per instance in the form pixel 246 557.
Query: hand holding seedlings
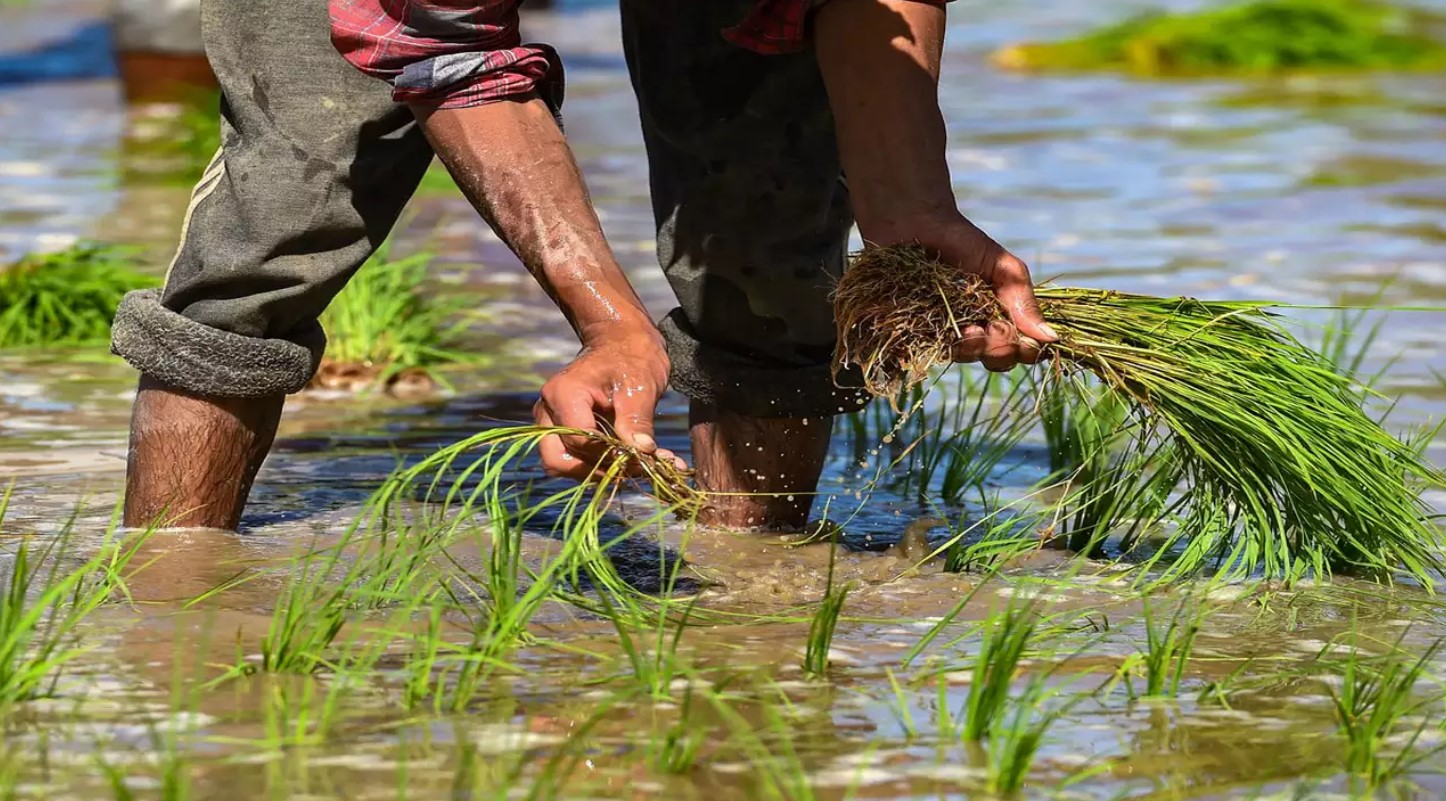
pixel 614 385
pixel 898 175
pixel 1020 335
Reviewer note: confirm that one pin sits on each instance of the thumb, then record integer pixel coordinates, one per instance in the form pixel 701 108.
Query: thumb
pixel 1019 303
pixel 633 419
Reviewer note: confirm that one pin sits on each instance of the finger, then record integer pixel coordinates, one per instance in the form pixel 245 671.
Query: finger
pixel 633 410
pixel 572 407
pixel 665 455
pixel 1015 290
pixel 1029 350
pixel 970 348
pixel 1001 347
pixel 557 460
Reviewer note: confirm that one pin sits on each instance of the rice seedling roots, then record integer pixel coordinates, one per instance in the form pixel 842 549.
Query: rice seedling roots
pixel 900 313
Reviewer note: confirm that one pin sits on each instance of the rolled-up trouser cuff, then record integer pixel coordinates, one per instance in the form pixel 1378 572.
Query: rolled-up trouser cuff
pixel 713 375
pixel 188 355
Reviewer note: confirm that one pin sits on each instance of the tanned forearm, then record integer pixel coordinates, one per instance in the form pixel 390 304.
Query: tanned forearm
pixel 512 162
pixel 880 62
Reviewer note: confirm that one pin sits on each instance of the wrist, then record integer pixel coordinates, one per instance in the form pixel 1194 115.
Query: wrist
pixel 906 225
pixel 630 328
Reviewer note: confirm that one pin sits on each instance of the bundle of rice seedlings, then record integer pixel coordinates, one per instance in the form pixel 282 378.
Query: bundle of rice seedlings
pixel 1281 469
pixel 68 297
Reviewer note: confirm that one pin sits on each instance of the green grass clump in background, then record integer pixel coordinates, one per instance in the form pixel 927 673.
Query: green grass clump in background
pixel 383 319
pixel 66 298
pixel 1254 37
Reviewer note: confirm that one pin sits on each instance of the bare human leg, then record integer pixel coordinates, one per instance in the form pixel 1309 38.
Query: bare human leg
pixel 193 459
pixel 772 465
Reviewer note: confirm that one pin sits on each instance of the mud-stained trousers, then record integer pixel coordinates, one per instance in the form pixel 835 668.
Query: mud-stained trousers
pixel 317 162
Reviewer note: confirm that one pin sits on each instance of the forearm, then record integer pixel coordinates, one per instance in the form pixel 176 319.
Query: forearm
pixel 880 62
pixel 512 162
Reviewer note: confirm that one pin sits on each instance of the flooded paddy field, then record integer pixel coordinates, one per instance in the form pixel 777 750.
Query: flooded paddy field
pixel 463 654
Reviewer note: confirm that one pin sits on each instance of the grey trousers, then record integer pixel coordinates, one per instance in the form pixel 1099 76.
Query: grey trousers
pixel 317 162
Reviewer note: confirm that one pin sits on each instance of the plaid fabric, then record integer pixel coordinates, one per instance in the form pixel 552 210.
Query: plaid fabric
pixel 447 53
pixel 455 53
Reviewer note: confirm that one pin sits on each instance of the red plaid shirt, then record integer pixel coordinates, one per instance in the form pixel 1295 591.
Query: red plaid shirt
pixel 454 53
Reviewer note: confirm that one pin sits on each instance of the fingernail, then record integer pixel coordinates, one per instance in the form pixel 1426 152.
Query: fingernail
pixel 1048 331
pixel 644 441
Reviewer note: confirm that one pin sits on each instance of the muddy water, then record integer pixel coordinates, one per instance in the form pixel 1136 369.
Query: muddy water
pixel 1308 191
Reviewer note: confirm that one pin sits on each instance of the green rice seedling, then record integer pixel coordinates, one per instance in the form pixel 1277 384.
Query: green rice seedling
pixel 1122 493
pixel 677 750
pixel 778 771
pixel 44 603
pixel 1168 649
pixel 1252 37
pixel 306 619
pixel 965 443
pixel 1373 701
pixel 68 297
pixel 511 596
pixel 824 623
pixel 1015 742
pixel 460 477
pixel 174 781
pixel 655 667
pixel 1282 472
pixel 900 705
pixel 383 323
pixel 1006 637
pixel 1081 424
pixel 942 625
pixel 1347 340
pixel 301 710
pixel 1004 538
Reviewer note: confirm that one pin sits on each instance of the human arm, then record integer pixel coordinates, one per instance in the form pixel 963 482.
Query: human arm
pixel 485 101
pixel 510 159
pixel 880 63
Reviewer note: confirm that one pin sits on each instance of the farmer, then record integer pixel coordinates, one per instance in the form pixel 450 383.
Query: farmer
pixel 753 111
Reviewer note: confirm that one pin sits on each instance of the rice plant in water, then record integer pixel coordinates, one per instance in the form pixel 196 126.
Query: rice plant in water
pixel 1373 701
pixel 963 443
pixel 1252 37
pixel 824 623
pixel 1015 741
pixel 44 603
pixel 1169 646
pixel 1005 637
pixel 68 297
pixel 676 749
pixel 384 326
pixel 459 478
pixel 1281 470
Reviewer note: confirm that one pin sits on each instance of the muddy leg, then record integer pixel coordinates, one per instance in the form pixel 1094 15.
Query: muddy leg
pixel 734 453
pixel 192 459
